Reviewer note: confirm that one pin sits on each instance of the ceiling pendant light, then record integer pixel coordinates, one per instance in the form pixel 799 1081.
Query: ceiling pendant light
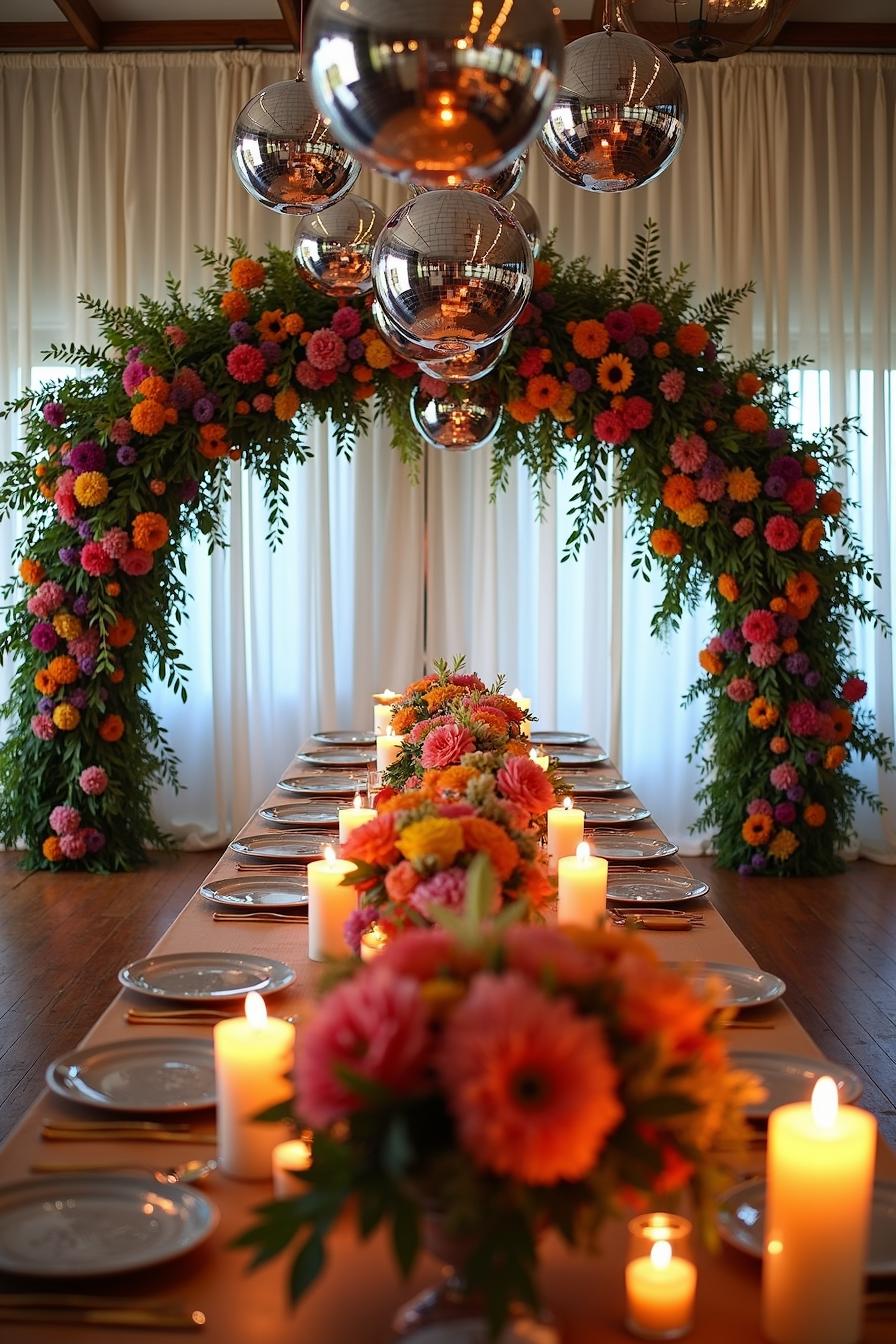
pixel 333 249
pixel 466 417
pixel 700 30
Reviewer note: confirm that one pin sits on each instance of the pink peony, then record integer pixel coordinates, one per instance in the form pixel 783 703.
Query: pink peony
pixel 93 780
pixel 445 746
pixel 647 318
pixel 401 881
pixel 765 654
pixel 115 542
pixel 64 819
pixel 136 563
pixel 672 385
pixel 781 533
pixel 308 376
pixel 447 889
pixel 610 427
pixel 47 599
pixel 325 350
pixel 525 785
pixel 96 560
pixel 802 718
pixel 760 807
pixel 42 726
pixel 376 1026
pixel 784 776
pixel 740 689
pixel 346 322
pixel 744 527
pixel 759 626
pixel 246 364
pixel 690 453
pixel 854 688
pixel 73 845
pixel 637 412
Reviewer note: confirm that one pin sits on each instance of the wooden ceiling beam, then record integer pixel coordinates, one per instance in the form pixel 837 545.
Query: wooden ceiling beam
pixel 290 11
pixel 778 23
pixel 86 22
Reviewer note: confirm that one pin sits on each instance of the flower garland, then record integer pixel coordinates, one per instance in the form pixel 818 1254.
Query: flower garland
pixel 122 464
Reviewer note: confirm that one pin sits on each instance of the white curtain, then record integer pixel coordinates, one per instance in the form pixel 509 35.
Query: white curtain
pixel 115 166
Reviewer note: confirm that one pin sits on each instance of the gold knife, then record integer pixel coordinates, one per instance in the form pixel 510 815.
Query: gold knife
pixel 135 1318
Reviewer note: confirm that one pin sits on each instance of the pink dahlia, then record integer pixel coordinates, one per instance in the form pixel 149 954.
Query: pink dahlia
pixel 64 819
pixel 744 527
pixel 637 412
pixel 802 718
pixel 647 318
pixel 86 645
pixel 93 780
pixel 96 560
pixel 42 726
pixel 73 845
pixel 672 385
pixel 760 807
pixel 346 322
pixel 136 563
pixel 122 431
pixel 525 785
pixel 470 682
pixel 176 335
pixel 115 542
pixel 445 746
pixel 854 688
pixel 262 402
pixel 325 350
pixel 46 599
pixel 610 427
pixel 308 376
pixel 689 453
pixel 766 654
pixel 740 689
pixel 246 364
pixel 447 889
pixel 781 533
pixel 44 637
pixel 133 375
pixel 784 777
pixel 374 1025
pixel 759 626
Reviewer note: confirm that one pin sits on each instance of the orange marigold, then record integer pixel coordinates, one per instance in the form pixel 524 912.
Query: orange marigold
pixel 293 324
pixel 235 305
pixel 665 541
pixel 751 419
pixel 790 645
pixel 271 325
pixel 729 587
pixel 762 714
pixel 404 802
pixel 710 662
pixel 743 484
pixel 678 492
pixel 116 675
pixel 487 838
pixel 543 390
pixel 147 417
pixel 286 403
pixel 757 829
pixel 402 721
pixel 779 745
pixel 615 373
pixel 63 669
pixel 784 844
pixel 121 632
pixel 155 388
pixel 242 407
pixel 44 683
pixel 802 588
pixel 92 487
pixel 830 503
pixel 748 384
pixel 150 531
pixel 453 780
pixel 542 275
pixel 51 849
pixel 113 589
pixel 31 572
pixel 662 349
pixel 362 373
pixel 111 728
pixel 247 273
pixel 378 354
pixel 590 339
pixel 442 695
pixel 812 535
pixel 834 758
pixel 522 411
pixel 778 604
pixel 694 515
pixel 811 465
pixel 692 338
pixel 814 814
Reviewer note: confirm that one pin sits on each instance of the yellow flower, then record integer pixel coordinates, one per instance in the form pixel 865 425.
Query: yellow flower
pixel 783 845
pixel 615 373
pixel 91 487
pixel 432 842
pixel 66 717
pixel 378 354
pixel 66 626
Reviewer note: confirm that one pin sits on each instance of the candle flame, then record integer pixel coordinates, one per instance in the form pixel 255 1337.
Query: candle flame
pixel 357 802
pixel 329 854
pixel 661 1254
pixel 533 754
pixel 567 804
pixel 583 852
pixel 256 1013
pixel 825 1103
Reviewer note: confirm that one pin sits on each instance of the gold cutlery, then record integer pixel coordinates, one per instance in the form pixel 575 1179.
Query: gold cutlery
pixel 133 1131
pixel 123 1313
pixel 261 917
pixel 660 923
pixel 183 1017
pixel 185 1173
pixel 749 1026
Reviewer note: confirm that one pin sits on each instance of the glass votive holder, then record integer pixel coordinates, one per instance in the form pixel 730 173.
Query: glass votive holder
pixel 660 1277
pixel 290 1162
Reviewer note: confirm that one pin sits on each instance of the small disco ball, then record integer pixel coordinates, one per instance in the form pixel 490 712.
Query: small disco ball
pixel 497 187
pixel 466 417
pixel 469 366
pixel 395 338
pixel 523 212
pixel 285 155
pixel 452 270
pixel 699 30
pixel 435 93
pixel 620 118
pixel 333 248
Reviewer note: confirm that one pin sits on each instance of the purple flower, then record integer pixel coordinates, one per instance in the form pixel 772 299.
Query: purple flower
pixel 272 352
pixel 70 555
pixel 355 348
pixel 44 637
pixel 126 455
pixel 580 379
pixel 785 813
pixel 775 487
pixel 84 530
pixel 714 467
pixel 87 456
pixel 203 410
pixel 797 793
pixel 787 626
pixel 732 640
pixel 133 376
pixel 134 353
pixel 94 840
pixel 813 757
pixel 758 862
pixel 788 467
pixel 620 325
pixel 637 347
pixel 78 698
pixel 189 490
pixel 797 664
pixel 710 352
pixel 545 300
pixel 104 695
pixel 87 665
pixel 776 437
pixel 357 924
pixel 239 332
pixel 745 870
pixel 80 606
pixel 812 679
pixel 54 413
pixel 181 397
pixel 46 705
pixel 717 390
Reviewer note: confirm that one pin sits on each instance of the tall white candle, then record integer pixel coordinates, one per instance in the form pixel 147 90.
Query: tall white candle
pixel 383 702
pixel 329 906
pixel 566 830
pixel 659 1293
pixel 388 748
pixel 581 888
pixel 820 1172
pixel 253 1058
pixel 525 705
pixel 350 818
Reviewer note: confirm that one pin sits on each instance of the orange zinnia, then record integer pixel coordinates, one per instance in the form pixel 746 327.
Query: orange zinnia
pixel 748 384
pixel 31 572
pixel 814 815
pixel 841 717
pixel 542 275
pixel 590 339
pixel 665 542
pixel 522 411
pixel 751 419
pixel 834 758
pixel 812 535
pixel 691 338
pixel 710 662
pixel 615 373
pixel 542 390
pixel 271 326
pixel 802 588
pixel 44 683
pixel 235 305
pixel 761 714
pixel 830 503
pixel 757 829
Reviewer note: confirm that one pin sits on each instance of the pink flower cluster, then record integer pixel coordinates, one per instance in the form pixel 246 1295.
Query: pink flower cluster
pixel 445 745
pixel 93 780
pixel 47 599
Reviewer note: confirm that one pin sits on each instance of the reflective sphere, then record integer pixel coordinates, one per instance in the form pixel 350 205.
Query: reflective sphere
pixel 699 30
pixel 466 417
pixel 395 338
pixel 497 187
pixel 435 91
pixel 285 155
pixel 333 249
pixel 469 366
pixel 620 118
pixel 524 213
pixel 452 269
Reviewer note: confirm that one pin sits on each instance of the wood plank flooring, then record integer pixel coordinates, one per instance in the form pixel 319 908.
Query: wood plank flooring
pixel 63 939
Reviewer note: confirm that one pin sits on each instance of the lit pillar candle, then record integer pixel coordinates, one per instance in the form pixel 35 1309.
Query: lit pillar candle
pixel 539 759
pixel 820 1171
pixel 373 942
pixel 329 906
pixel 581 888
pixel 659 1293
pixel 388 749
pixel 525 705
pixel 350 818
pixel 566 831
pixel 382 711
pixel 253 1056
pixel 289 1162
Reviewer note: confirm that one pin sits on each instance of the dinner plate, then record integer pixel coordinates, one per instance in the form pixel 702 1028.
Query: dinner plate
pixel 554 737
pixel 310 814
pixel 205 976
pixel 740 1218
pixel 345 737
pixel 258 893
pixel 337 758
pixel 744 986
pixel 630 848
pixel 142 1075
pixel 586 783
pixel 73 1226
pixel 301 847
pixel 584 758
pixel 330 786
pixel 614 813
pixel 657 889
pixel 788 1078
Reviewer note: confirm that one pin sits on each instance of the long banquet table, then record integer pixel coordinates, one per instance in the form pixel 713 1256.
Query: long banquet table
pixel 355 1300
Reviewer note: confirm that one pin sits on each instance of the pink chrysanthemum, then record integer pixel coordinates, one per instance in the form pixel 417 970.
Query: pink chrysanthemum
pixel 740 689
pixel 47 599
pixel 759 807
pixel 610 427
pixel 447 889
pixel 346 322
pixel 122 431
pixel 637 412
pixel 744 527
pixel 445 746
pixel 64 819
pixel 766 654
pixel 426 726
pixel 308 375
pixel 759 626
pixel 647 318
pixel 42 726
pixel 246 364
pixel 672 385
pixel 44 637
pixel 73 845
pixel 115 542
pixel 802 718
pixel 133 375
pixel 524 784
pixel 176 335
pixel 690 453
pixel 325 350
pixel 711 488
pixel 93 780
pixel 86 645
pixel 781 533
pixel 784 776
pixel 96 560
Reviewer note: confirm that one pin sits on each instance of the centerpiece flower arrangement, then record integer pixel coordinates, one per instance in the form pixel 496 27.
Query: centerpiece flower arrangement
pixel 508 1079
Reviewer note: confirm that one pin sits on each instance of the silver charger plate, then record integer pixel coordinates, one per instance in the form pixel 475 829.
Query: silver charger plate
pixel 630 848
pixel 139 1076
pixel 205 977
pixel 740 1218
pixel 71 1226
pixel 660 889
pixel 336 758
pixel 789 1078
pixel 583 759
pixel 330 786
pixel 345 737
pixel 555 737
pixel 586 784
pixel 614 813
pixel 258 893
pixel 744 986
pixel 302 847
pixel 309 814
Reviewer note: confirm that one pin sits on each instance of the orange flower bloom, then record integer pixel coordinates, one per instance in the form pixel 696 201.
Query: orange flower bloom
pixel 665 541
pixel 121 633
pixel 841 716
pixel 402 721
pixel 710 425
pixel 743 484
pixel 783 845
pixel 214 441
pixel 834 758
pixel 522 411
pixel 751 419
pixel 590 339
pixel 761 714
pixel 242 408
pixel 661 349
pixel 778 604
pixel 811 466
pixel 155 388
pixel 148 417
pixel 63 669
pixel 51 849
pixel 812 535
pixel 235 305
pixel 748 384
pixel 442 695
pixel 691 338
pixel 403 802
pixel 830 503
pixel 779 745
pixel 286 403
pixel 31 572
pixel 615 373
pixel 815 815
pixel 710 662
pixel 542 391
pixel 362 373
pixel 293 324
pixel 729 587
pixel 450 782
pixel 694 515
pixel 790 645
pixel 116 675
pixel 678 492
pixel 111 728
pixel 113 589
pixel 378 354
pixel 487 838
pixel 271 379
pixel 44 683
pixel 150 531
pixel 543 275
pixel 757 829
pixel 271 326
pixel 802 588
pixel 247 273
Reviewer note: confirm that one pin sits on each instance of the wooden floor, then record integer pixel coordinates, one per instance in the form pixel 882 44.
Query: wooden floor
pixel 63 939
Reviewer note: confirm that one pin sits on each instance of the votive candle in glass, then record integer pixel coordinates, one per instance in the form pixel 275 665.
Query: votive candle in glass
pixel 660 1277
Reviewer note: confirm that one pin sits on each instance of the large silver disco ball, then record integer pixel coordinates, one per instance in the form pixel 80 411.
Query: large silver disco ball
pixel 395 338
pixel 435 91
pixel 285 155
pixel 452 270
pixel 523 212
pixel 498 187
pixel 466 417
pixel 620 118
pixel 700 30
pixel 333 249
pixel 469 366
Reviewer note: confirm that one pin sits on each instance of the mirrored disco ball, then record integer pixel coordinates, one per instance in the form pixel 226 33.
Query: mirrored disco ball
pixel 452 270
pixel 466 417
pixel 700 30
pixel 333 249
pixel 497 187
pixel 620 118
pixel 472 364
pixel 395 338
pixel 285 155
pixel 435 91
pixel 523 212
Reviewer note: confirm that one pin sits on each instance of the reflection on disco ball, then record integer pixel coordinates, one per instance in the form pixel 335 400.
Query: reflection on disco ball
pixel 469 366
pixel 284 153
pixel 466 417
pixel 524 213
pixel 700 30
pixel 395 338
pixel 497 187
pixel 333 249
pixel 436 93
pixel 620 118
pixel 452 270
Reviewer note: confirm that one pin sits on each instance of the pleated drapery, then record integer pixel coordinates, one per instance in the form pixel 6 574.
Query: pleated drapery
pixel 115 166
